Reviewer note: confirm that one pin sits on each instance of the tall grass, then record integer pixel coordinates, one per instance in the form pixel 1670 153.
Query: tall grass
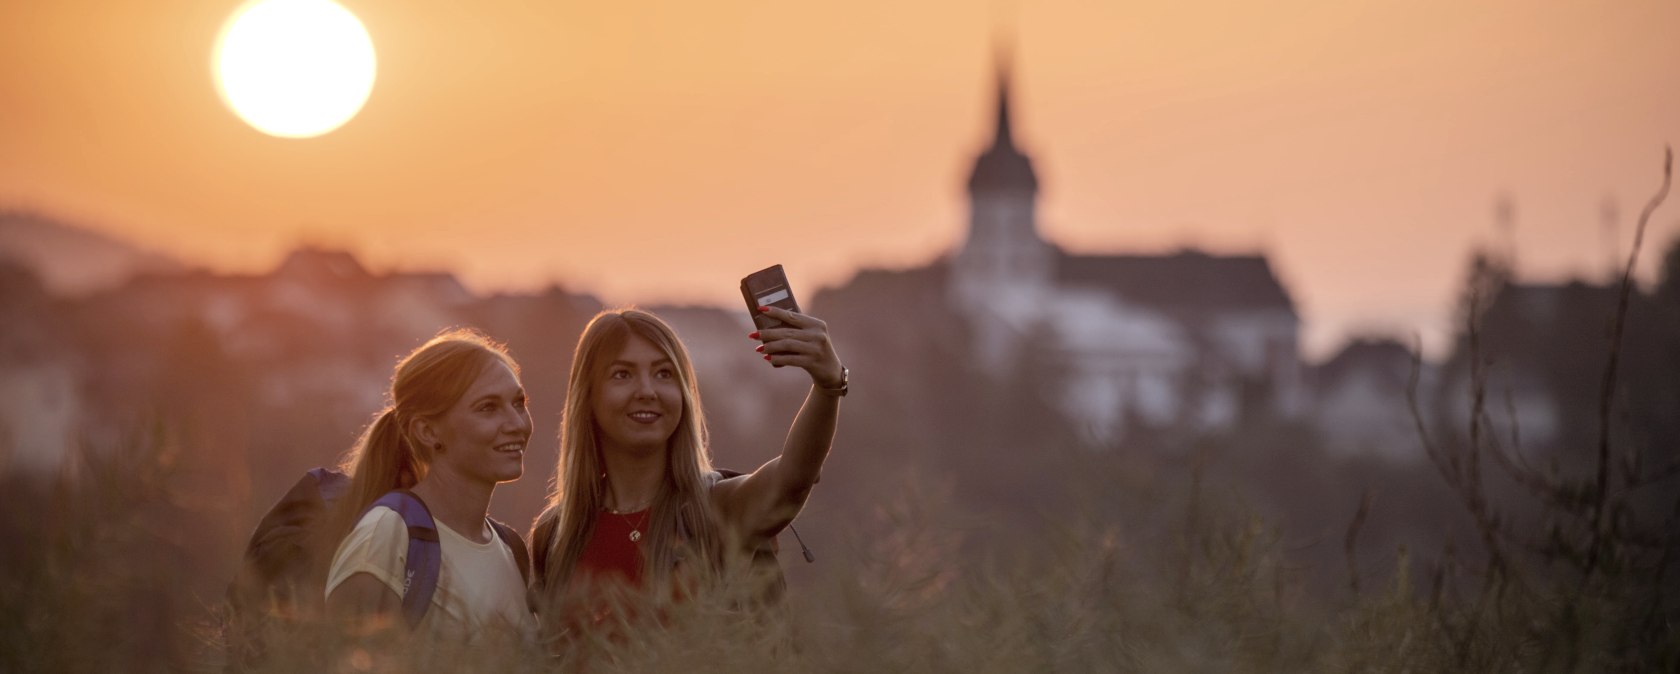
pixel 95 563
pixel 95 571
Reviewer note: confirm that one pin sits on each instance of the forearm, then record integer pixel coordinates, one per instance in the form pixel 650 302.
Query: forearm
pixel 772 496
pixel 807 445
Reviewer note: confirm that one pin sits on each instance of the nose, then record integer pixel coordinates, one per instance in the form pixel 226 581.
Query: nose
pixel 517 421
pixel 645 389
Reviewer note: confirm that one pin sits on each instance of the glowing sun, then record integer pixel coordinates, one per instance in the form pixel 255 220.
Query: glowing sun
pixel 294 68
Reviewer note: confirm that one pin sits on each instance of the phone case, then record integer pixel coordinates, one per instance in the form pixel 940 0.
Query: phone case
pixel 767 287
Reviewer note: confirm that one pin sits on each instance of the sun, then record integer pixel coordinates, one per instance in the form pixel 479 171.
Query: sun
pixel 294 68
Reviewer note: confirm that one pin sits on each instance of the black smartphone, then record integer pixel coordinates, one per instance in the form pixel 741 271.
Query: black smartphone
pixel 767 287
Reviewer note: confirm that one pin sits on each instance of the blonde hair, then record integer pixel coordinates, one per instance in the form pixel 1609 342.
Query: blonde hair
pixel 426 383
pixel 682 520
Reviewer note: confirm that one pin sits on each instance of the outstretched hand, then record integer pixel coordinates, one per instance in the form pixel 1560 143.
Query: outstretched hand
pixel 801 342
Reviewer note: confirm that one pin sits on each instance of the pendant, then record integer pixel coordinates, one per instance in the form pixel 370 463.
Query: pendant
pixel 635 535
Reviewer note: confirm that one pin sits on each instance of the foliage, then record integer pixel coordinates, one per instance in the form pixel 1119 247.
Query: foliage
pixel 1206 586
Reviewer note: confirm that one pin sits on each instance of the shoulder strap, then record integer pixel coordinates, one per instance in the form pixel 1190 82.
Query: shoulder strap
pixel 521 554
pixel 425 553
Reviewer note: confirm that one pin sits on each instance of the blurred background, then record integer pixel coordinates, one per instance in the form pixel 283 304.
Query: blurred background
pixel 1086 261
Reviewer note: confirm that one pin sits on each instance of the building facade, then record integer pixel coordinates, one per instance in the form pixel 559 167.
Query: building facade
pixel 1187 339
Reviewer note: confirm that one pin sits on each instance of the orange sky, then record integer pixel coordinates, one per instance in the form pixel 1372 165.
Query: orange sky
pixel 658 151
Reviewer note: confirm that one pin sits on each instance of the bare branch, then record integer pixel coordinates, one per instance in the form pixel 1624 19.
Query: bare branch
pixel 1607 394
pixel 1353 536
pixel 1435 453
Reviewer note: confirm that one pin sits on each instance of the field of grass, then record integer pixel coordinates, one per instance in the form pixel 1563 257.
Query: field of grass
pixel 103 573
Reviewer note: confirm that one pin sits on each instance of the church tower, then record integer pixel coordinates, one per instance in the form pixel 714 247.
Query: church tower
pixel 1003 268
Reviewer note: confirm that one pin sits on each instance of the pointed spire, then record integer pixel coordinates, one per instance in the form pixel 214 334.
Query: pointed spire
pixel 1004 55
pixel 1003 166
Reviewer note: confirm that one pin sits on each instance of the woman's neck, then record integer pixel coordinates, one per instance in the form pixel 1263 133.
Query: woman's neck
pixel 633 479
pixel 458 503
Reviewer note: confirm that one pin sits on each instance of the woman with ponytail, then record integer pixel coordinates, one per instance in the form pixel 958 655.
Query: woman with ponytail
pixel 456 427
pixel 636 506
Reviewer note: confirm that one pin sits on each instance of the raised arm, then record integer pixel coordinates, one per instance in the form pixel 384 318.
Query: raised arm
pixel 759 505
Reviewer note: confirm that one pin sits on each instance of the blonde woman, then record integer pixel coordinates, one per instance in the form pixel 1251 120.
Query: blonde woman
pixel 636 503
pixel 457 426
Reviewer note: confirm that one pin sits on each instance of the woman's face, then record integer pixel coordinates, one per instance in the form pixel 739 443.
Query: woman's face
pixel 638 400
pixel 485 432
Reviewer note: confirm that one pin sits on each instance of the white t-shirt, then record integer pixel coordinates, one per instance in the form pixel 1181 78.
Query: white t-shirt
pixel 479 585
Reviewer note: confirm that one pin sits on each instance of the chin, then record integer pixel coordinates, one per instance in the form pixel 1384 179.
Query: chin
pixel 510 473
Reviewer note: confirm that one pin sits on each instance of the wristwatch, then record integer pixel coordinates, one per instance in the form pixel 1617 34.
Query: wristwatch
pixel 837 391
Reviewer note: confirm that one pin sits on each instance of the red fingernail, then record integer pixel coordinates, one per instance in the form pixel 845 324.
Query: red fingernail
pixel 759 348
pixel 764 309
pixel 767 356
pixel 753 336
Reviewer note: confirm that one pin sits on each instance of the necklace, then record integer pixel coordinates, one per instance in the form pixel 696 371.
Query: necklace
pixel 635 527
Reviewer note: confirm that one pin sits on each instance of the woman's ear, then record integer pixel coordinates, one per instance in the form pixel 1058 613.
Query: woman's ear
pixel 425 432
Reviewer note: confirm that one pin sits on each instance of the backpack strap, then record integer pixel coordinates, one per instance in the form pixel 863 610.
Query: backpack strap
pixel 425 553
pixel 521 554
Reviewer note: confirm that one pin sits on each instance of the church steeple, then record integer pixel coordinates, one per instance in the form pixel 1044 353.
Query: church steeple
pixel 1004 137
pixel 1004 270
pixel 1003 167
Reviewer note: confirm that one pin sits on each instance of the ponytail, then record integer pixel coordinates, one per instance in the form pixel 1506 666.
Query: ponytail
pixel 381 461
pixel 426 383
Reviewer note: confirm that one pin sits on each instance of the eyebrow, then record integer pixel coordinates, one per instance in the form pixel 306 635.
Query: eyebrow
pixel 497 396
pixel 626 363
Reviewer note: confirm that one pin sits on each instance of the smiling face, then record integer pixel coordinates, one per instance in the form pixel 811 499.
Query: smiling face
pixel 485 432
pixel 638 400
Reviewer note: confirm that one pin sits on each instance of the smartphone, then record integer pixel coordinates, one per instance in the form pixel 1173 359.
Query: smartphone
pixel 767 287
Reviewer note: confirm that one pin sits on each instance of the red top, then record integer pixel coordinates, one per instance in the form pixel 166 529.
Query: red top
pixel 610 552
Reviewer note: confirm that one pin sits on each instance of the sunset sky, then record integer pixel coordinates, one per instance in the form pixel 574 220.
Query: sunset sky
pixel 658 151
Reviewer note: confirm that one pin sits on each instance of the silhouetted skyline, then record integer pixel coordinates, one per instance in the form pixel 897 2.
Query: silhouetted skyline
pixel 655 156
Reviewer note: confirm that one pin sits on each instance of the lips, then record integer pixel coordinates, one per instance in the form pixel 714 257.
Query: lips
pixel 645 417
pixel 511 447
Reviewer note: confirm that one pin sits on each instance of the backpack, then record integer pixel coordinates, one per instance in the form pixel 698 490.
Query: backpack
pixel 284 573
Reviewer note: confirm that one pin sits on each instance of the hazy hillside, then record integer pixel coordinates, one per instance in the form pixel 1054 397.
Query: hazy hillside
pixel 70 260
